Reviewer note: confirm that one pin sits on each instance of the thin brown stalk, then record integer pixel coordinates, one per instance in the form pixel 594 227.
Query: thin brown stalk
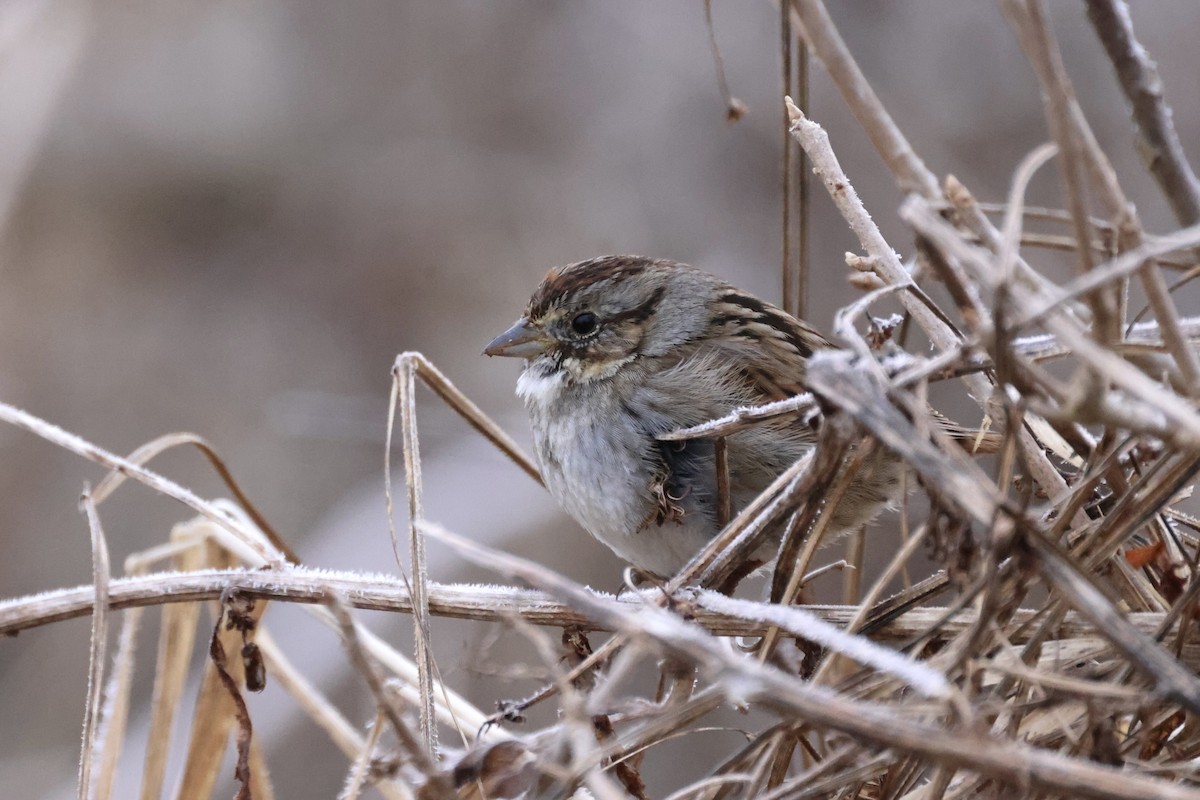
pixel 864 607
pixel 795 187
pixel 1171 677
pixel 152 449
pixel 1183 425
pixel 826 44
pixel 724 495
pixel 1158 142
pixel 1058 97
pixel 734 109
pixel 344 735
pixel 177 634
pixel 403 394
pixel 1117 268
pixel 111 739
pixel 97 652
pixel 1015 215
pixel 1042 46
pixel 358 768
pixel 414 749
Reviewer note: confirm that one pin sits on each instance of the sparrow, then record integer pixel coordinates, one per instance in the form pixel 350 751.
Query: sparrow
pixel 621 349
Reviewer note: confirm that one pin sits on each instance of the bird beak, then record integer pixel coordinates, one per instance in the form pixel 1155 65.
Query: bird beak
pixel 522 340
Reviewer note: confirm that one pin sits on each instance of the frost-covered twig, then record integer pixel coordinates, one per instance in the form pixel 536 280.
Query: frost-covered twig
pixel 486 603
pixel 99 644
pixel 744 679
pixel 240 538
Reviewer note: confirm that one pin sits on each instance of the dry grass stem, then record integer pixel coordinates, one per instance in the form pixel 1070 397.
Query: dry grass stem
pixel 403 393
pixel 247 542
pixel 99 645
pixel 416 750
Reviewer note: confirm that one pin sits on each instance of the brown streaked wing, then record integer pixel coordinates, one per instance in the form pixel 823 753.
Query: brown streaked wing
pixel 773 345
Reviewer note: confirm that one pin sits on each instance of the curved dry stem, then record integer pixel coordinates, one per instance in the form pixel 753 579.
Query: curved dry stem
pixel 152 449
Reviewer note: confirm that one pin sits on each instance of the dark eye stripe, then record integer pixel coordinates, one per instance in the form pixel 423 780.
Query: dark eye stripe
pixel 642 312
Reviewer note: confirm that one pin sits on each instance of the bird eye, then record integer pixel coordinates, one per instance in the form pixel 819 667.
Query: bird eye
pixel 584 323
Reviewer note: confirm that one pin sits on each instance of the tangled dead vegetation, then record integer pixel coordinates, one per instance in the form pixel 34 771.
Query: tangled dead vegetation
pixel 1053 654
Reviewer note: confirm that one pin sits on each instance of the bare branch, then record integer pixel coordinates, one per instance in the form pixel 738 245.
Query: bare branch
pixel 1158 143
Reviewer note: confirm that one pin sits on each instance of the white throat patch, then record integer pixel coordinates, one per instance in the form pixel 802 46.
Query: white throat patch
pixel 543 387
pixel 535 386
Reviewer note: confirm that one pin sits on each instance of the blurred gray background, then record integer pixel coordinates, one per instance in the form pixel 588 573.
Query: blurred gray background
pixel 229 217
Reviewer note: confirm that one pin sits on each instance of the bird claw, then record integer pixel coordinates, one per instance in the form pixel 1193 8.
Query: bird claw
pixel 666 506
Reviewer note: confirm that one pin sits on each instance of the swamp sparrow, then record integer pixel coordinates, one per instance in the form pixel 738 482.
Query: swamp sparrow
pixel 622 349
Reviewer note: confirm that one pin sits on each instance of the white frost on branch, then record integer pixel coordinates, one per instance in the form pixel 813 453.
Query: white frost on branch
pixel 797 621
